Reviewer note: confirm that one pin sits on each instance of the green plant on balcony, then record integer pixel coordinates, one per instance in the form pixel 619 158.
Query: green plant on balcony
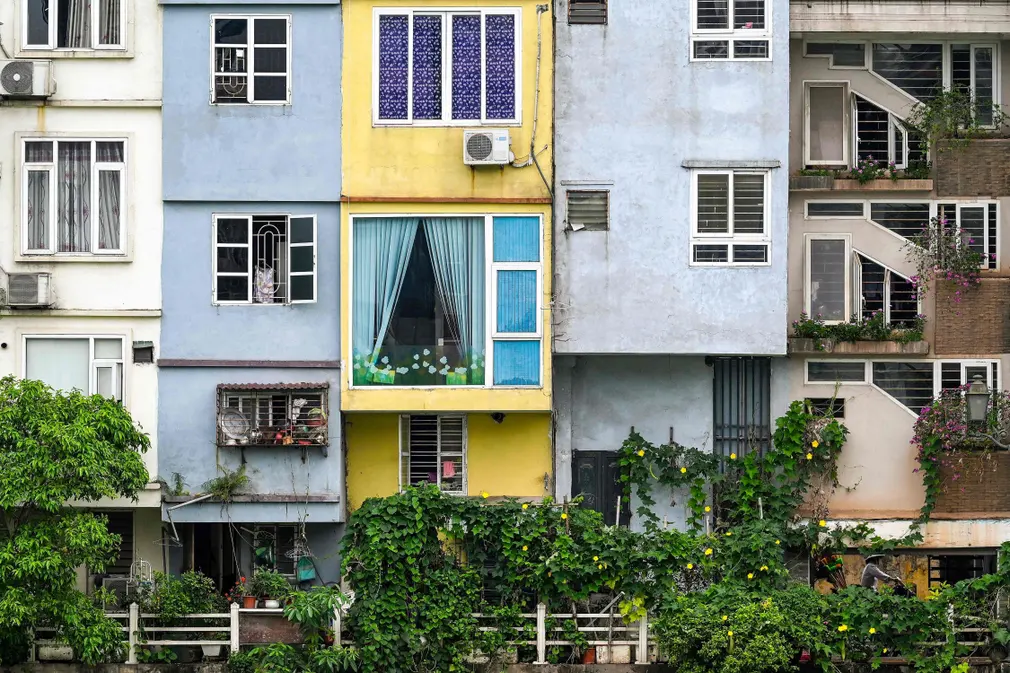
pixel 872 328
pixel 956 117
pixel 945 253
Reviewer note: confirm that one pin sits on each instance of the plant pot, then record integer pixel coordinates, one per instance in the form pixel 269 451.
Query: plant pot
pixel 211 650
pixel 55 653
pixel 248 602
pixel 271 603
pixel 589 656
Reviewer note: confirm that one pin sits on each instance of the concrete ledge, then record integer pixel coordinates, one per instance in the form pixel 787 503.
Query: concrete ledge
pixel 800 346
pixel 883 186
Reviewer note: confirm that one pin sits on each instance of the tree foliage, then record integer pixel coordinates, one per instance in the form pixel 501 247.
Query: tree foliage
pixel 57 449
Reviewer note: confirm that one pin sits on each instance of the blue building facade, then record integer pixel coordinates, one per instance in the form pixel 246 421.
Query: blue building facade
pixel 249 366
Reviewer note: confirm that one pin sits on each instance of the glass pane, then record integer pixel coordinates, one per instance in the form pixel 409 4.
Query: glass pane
pixel 302 288
pixel 74 197
pixel 233 288
pixel 231 89
pixel 830 372
pixel 711 49
pixel 500 65
pixel 232 260
pixel 750 254
pixel 231 31
pixel 911 383
pixel 38 22
pixel 827 123
pixel 466 68
pixel 516 363
pixel 711 253
pixel 960 67
pixel 837 209
pixel 39 151
pixel 984 85
pixel 233 230
pixel 844 55
pixel 64 364
pixel 271 88
pixel 516 239
pixel 713 14
pixel 110 21
pixel 517 301
pixel 749 14
pixel 109 222
pixel 427 80
pixel 972 222
pixel 106 386
pixel 230 59
pixel 302 229
pixel 827 279
pixel 73 24
pixel 393 68
pixel 270 59
pixel 748 204
pixel 108 349
pixel 917 69
pixel 750 49
pixel 271 31
pixel 713 204
pixel 904 219
pixel 872 125
pixel 109 151
pixel 301 258
pixel 37 210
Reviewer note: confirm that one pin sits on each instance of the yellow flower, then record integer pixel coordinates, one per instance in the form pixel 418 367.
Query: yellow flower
pixel 822 523
pixel 750 576
pixel 732 456
pixel 690 566
pixel 724 618
pixel 843 628
pixel 729 633
pixel 885 650
pixel 728 533
pixel 525 548
pixel 683 470
pixel 526 505
pixel 484 494
pixel 708 552
pixel 814 444
pixel 707 508
pixel 810 456
pixel 778 541
pixel 641 452
pixel 600 567
pixel 872 630
pixel 764 568
pixel 596 558
pixel 564 516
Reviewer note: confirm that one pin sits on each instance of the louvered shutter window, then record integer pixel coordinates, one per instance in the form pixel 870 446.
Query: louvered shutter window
pixel 589 210
pixel 587 11
pixel 911 383
pixel 433 451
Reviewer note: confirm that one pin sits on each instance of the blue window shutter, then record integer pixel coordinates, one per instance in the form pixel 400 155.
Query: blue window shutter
pixel 517 239
pixel 517 301
pixel 517 363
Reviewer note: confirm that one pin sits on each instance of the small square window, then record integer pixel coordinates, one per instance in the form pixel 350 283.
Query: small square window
pixel 588 209
pixel 730 218
pixel 252 60
pixel 74 24
pixel 731 29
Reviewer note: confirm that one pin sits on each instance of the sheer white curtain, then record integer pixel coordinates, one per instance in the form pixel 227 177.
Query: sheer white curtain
pixel 73 228
pixel 109 21
pixel 78 22
pixel 109 195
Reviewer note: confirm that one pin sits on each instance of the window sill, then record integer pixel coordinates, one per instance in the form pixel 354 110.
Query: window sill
pixel 66 258
pixel 444 125
pixel 70 54
pixel 802 346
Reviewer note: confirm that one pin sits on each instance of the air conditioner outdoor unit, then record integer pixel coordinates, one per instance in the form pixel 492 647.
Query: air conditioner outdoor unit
pixel 28 289
pixel 26 79
pixel 486 147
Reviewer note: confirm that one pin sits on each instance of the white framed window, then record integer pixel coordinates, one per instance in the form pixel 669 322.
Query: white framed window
pixel 433 451
pixel 91 364
pixel 836 371
pixel 250 59
pixel 881 136
pixel 838 209
pixel 73 196
pixel 956 373
pixel 979 220
pixel 264 259
pixel 439 68
pixel 826 128
pixel 730 218
pixel 842 55
pixel 73 24
pixel 731 29
pixel 827 277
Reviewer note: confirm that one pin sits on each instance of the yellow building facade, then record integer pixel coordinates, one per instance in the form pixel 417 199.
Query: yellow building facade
pixel 445 239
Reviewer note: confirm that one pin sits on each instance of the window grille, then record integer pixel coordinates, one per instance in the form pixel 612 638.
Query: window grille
pixel 910 383
pixel 266 416
pixel 741 409
pixel 433 450
pixel 832 407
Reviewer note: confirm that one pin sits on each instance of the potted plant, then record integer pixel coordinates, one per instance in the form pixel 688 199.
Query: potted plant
pixel 213 651
pixel 242 591
pixel 271 586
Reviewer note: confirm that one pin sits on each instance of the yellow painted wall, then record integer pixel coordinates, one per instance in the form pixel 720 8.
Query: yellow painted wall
pixel 404 161
pixel 506 459
pixel 442 398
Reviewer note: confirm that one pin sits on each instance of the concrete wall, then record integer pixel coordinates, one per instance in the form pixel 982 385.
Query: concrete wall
pixel 630 108
pixel 253 152
pixel 599 399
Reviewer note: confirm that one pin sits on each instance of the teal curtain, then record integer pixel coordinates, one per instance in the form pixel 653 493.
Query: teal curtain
pixel 382 248
pixel 456 246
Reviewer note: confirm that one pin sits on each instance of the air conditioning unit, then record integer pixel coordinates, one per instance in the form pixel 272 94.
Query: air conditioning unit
pixel 26 79
pixel 28 289
pixel 486 147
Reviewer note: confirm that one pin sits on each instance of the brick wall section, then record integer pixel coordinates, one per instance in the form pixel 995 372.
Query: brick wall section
pixel 980 486
pixel 977 325
pixel 980 169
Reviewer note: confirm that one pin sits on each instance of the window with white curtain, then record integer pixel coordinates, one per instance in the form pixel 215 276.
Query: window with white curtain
pixel 73 196
pixel 92 365
pixel 729 218
pixel 73 24
pixel 731 29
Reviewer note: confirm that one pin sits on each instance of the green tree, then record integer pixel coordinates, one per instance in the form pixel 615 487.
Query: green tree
pixel 57 449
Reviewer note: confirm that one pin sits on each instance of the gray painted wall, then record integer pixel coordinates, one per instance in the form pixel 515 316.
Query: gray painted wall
pixel 630 108
pixel 239 152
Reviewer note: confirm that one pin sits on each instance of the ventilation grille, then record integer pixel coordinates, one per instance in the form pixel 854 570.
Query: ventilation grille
pixel 16 77
pixel 589 209
pixel 478 146
pixel 587 11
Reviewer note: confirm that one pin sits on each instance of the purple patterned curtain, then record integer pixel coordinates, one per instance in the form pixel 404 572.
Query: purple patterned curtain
pixel 466 66
pixel 393 53
pixel 427 84
pixel 73 226
pixel 500 65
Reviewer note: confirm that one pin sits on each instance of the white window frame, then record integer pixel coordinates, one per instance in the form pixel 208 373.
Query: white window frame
pixel 808 216
pixel 124 6
pixel 214 245
pixel 94 364
pixel 96 168
pixel 984 363
pixel 846 127
pixel 857 285
pixel 730 238
pixel 446 13
pixel 866 373
pixel 730 35
pixel 490 306
pixel 831 59
pixel 807 285
pixel 894 122
pixel 404 451
pixel 250 47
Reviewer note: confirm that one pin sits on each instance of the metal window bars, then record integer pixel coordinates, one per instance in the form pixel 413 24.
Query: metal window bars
pixel 266 417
